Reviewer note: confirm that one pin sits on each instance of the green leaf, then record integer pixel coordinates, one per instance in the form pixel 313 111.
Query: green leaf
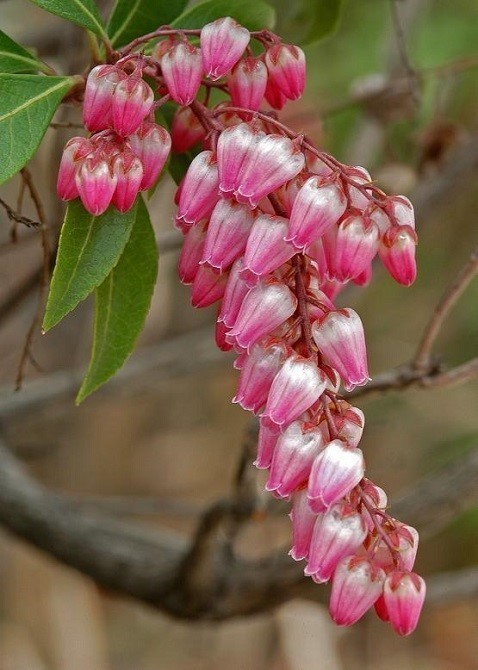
pixel 307 21
pixel 82 12
pixel 253 14
pixel 14 58
pixel 89 247
pixel 122 304
pixel 132 18
pixel 27 104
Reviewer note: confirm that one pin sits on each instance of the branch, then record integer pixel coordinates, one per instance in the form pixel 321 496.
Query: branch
pixel 446 303
pixel 18 218
pixel 155 567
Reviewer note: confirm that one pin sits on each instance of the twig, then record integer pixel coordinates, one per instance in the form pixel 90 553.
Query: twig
pixel 66 124
pixel 448 300
pixel 44 279
pixel 17 217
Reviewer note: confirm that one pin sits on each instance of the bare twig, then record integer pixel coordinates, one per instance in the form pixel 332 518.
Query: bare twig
pixel 45 275
pixel 446 303
pixel 17 217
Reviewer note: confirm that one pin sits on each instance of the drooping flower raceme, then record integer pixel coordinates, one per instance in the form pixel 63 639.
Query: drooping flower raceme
pixel 273 230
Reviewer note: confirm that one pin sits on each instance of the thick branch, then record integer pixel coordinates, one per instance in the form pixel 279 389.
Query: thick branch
pixel 150 565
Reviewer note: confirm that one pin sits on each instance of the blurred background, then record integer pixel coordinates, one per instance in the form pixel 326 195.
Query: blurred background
pixel 162 441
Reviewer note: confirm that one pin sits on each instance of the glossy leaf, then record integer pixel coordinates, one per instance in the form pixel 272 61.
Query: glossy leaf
pixel 82 12
pixel 14 58
pixel 132 18
pixel 253 14
pixel 89 248
pixel 122 304
pixel 27 104
pixel 305 22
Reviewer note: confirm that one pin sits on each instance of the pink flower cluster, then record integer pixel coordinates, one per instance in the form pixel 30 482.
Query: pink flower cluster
pixel 274 229
pixel 126 151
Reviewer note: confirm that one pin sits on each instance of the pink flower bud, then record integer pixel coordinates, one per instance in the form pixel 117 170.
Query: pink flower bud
pixel 340 338
pixel 405 541
pixel 338 532
pixel 266 249
pixel 191 253
pixel 397 253
pixel 236 146
pixel 199 192
pixel 274 95
pixel 132 102
pixel 358 198
pixel 129 173
pixel 152 144
pixel 355 246
pixel 268 435
pixel 335 472
pixel 265 307
pixel 404 594
pixel 350 424
pixel 222 44
pixel 297 386
pixel 319 204
pixel 400 210
pixel 186 130
pixel 263 363
pixel 275 160
pixel 236 291
pixel 247 83
pixel 97 105
pixel 74 152
pixel 303 521
pixel 96 184
pixel 182 71
pixel 356 585
pixel 227 233
pixel 293 455
pixel 221 334
pixel 286 67
pixel 208 286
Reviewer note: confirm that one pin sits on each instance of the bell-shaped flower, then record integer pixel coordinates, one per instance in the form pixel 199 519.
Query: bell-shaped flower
pixel 293 455
pixel 74 152
pixel 208 287
pixel 263 363
pixel 275 161
pixel 98 99
pixel 96 184
pixel 335 472
pixel 191 252
pixel 152 144
pixel 221 333
pixel 265 307
pixel 404 594
pixel 222 44
pixel 297 386
pixel 319 204
pixel 132 102
pixel 227 233
pixel 266 249
pixel 400 211
pixel 356 585
pixel 247 83
pixel 199 191
pixel 286 67
pixel 182 70
pixel 236 290
pixel 129 172
pixel 350 424
pixel 186 130
pixel 338 532
pixel 397 253
pixel 356 244
pixel 274 95
pixel 236 147
pixel 267 439
pixel 303 521
pixel 358 197
pixel 340 338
